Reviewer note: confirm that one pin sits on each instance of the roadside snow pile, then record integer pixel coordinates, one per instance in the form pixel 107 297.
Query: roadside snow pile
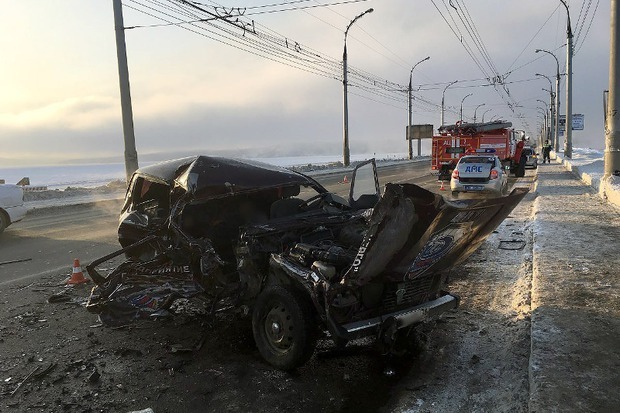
pixel 74 195
pixel 111 188
pixel 589 165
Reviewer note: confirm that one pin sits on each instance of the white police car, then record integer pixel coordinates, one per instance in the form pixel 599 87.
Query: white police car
pixel 479 172
pixel 12 207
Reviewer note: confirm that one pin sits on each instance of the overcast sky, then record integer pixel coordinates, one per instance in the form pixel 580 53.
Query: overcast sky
pixel 195 91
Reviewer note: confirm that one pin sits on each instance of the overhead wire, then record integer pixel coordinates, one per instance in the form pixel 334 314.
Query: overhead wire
pixel 257 39
pixel 588 29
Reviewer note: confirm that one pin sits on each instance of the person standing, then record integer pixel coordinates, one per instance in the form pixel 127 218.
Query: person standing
pixel 547 151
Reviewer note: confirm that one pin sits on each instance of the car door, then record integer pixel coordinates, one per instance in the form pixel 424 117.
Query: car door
pixel 364 192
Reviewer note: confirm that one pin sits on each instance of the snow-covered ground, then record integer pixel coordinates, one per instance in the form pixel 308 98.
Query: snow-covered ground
pixel 589 165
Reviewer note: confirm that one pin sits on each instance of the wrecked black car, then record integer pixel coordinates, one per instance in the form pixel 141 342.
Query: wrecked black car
pixel 274 243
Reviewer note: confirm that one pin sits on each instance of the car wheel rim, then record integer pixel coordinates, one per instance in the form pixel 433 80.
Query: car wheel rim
pixel 278 328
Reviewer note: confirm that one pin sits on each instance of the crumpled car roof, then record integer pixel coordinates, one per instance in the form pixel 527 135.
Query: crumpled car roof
pixel 205 176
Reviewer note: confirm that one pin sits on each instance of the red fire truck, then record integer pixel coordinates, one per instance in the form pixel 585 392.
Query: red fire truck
pixel 454 141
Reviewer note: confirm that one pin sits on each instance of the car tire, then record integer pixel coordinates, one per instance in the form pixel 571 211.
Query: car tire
pixel 4 221
pixel 284 327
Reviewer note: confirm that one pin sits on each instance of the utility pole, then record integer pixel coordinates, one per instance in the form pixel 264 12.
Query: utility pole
pixel 131 155
pixel 475 110
pixel 410 93
pixel 443 97
pixel 346 154
pixel 568 141
pixel 556 138
pixel 552 96
pixel 612 126
pixel 484 113
pixel 463 100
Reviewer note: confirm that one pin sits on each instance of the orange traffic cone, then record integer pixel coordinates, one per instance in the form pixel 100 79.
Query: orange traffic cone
pixel 442 187
pixel 77 277
pixel 345 180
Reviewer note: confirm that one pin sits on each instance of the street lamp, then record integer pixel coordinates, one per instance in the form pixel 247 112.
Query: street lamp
pixel 568 126
pixel 462 105
pixel 484 113
pixel 482 104
pixel 547 118
pixel 345 121
pixel 552 123
pixel 411 114
pixel 556 138
pixel 443 96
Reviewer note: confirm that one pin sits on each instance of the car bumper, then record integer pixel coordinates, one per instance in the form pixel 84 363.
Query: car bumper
pixel 399 319
pixel 494 187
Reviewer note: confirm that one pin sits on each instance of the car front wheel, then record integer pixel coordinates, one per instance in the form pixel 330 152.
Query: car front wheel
pixel 284 327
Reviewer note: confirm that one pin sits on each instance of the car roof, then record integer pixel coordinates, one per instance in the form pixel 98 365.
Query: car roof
pixel 206 176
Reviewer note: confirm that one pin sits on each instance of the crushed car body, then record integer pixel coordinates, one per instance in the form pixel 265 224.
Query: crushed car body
pixel 238 234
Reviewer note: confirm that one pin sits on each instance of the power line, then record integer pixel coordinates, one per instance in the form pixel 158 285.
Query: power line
pixel 231 28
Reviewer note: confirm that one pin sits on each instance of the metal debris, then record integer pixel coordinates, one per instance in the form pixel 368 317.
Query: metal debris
pixel 512 245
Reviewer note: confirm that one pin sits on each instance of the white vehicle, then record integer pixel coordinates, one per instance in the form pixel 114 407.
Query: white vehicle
pixel 479 173
pixel 12 207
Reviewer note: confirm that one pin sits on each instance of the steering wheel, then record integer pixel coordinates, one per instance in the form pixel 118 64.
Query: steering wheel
pixel 312 202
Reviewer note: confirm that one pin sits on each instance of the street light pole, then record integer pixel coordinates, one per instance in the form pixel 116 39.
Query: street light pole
pixel 552 124
pixel 556 138
pixel 484 113
pixel 568 142
pixel 345 121
pixel 475 110
pixel 131 155
pixel 410 90
pixel 612 127
pixel 462 105
pixel 443 97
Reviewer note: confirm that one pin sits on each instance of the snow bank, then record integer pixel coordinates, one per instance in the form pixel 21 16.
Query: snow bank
pixel 589 165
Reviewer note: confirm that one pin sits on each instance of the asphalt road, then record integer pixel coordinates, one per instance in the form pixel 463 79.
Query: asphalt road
pixel 49 239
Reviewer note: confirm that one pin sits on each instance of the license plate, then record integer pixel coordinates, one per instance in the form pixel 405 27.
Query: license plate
pixel 474 187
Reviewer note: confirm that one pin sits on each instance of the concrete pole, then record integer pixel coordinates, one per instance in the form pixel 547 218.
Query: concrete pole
pixel 410 94
pixel 475 110
pixel 463 100
pixel 612 127
pixel 484 113
pixel 346 156
pixel 443 98
pixel 345 117
pixel 568 142
pixel 552 118
pixel 131 155
pixel 410 149
pixel 556 138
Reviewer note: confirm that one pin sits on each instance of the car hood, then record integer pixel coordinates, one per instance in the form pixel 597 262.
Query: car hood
pixel 414 232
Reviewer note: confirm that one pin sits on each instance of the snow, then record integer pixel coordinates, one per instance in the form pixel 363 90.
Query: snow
pixel 589 165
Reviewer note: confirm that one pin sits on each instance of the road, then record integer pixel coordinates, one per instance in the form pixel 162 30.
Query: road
pixel 51 238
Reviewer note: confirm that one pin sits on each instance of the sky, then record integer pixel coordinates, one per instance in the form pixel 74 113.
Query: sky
pixel 273 85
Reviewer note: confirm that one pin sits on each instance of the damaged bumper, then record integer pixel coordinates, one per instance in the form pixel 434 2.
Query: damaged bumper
pixel 389 324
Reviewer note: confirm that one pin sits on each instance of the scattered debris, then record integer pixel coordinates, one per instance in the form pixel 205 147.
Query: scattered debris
pixel 21 383
pixel 15 261
pixel 94 376
pixel 512 245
